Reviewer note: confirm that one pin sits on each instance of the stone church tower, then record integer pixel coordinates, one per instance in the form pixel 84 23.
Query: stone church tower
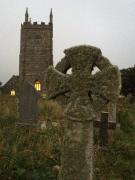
pixel 36 51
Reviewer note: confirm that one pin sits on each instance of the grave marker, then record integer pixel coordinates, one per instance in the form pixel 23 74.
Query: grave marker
pixel 28 104
pixel 88 94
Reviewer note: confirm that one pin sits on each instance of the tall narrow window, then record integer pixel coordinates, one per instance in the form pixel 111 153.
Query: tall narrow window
pixel 12 92
pixel 38 85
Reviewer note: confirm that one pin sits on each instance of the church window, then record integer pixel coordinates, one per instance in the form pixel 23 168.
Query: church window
pixel 38 85
pixel 12 92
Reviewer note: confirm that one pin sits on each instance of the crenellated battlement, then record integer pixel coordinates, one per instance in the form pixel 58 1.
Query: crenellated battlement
pixel 36 25
pixel 28 22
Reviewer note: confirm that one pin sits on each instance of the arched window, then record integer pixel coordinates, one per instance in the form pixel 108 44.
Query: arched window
pixel 38 85
pixel 12 92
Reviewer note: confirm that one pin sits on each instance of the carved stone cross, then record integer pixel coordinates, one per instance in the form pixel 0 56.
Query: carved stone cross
pixel 88 94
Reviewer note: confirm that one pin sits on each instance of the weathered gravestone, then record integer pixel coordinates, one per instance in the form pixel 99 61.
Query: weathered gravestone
pixel 88 94
pixel 28 104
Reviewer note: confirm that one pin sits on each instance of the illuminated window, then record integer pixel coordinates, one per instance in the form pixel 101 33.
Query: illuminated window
pixel 38 85
pixel 12 92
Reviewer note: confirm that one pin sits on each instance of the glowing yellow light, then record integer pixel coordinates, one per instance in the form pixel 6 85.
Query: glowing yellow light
pixel 12 92
pixel 38 86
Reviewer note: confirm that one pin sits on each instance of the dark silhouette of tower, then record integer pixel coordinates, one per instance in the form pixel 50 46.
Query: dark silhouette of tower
pixel 36 51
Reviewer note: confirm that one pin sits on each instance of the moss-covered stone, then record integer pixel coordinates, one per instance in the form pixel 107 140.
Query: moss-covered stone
pixel 87 95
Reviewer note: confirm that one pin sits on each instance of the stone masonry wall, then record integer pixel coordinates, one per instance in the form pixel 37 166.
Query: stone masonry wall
pixel 36 51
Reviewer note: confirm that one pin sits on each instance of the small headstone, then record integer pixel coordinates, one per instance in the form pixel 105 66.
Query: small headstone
pixel 28 104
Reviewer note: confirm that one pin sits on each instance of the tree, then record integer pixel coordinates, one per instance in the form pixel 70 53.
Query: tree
pixel 128 81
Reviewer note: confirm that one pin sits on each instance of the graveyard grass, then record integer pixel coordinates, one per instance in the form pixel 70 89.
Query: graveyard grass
pixel 31 153
pixel 117 162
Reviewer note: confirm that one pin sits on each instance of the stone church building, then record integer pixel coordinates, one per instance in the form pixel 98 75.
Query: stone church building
pixel 36 54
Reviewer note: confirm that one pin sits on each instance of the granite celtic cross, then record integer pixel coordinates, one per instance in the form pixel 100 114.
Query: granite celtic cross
pixel 88 94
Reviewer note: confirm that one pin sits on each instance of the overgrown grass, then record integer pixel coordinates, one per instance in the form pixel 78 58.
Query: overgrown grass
pixel 8 106
pixel 118 161
pixel 49 112
pixel 28 153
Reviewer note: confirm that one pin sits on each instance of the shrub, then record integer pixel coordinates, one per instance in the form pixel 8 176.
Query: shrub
pixel 28 153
